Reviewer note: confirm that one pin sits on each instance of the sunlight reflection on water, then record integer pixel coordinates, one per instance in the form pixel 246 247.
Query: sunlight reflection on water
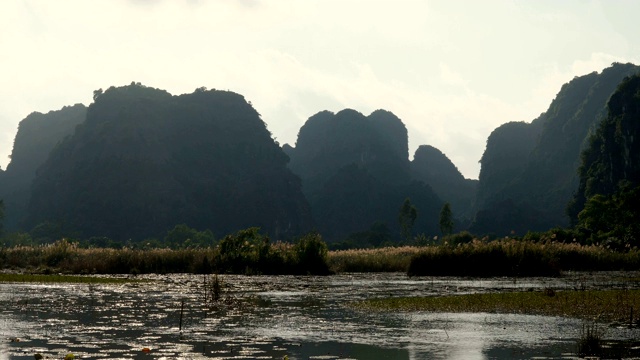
pixel 273 316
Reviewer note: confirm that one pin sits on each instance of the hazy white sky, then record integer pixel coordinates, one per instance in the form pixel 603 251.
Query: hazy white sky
pixel 452 70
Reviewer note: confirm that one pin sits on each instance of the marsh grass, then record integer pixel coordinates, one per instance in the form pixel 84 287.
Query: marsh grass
pixel 66 257
pixel 247 252
pixel 41 278
pixel 511 257
pixel 505 257
pixel 595 305
pixel 590 342
pixel 391 259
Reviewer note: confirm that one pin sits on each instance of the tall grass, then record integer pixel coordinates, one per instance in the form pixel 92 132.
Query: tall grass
pixel 66 257
pixel 510 257
pixel 247 252
pixel 250 253
pixel 391 259
pixel 504 257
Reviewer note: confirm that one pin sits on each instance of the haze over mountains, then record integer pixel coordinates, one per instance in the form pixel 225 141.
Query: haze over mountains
pixel 139 160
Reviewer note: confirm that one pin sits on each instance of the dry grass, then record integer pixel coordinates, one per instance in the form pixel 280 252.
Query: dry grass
pixel 66 257
pixel 258 257
pixel 510 257
pixel 390 259
pixel 506 257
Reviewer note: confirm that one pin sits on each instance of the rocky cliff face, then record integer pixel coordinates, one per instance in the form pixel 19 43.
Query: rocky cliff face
pixel 540 178
pixel 328 142
pixel 37 135
pixel 355 172
pixel 433 167
pixel 611 161
pixel 505 157
pixel 145 160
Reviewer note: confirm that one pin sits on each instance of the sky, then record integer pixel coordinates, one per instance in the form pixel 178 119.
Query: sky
pixel 452 70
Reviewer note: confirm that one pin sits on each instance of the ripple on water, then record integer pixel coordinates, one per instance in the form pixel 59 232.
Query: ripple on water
pixel 273 316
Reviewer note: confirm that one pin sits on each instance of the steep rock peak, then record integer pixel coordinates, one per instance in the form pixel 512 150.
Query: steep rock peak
pixel 434 162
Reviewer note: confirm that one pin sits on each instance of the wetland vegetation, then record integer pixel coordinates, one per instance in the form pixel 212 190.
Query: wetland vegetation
pixel 595 305
pixel 250 252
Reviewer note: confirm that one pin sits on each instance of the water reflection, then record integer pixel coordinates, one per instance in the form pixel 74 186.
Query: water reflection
pixel 270 317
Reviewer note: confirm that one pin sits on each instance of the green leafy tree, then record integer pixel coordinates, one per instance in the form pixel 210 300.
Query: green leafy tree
pixel 406 218
pixel 244 252
pixel 184 236
pixel 613 217
pixel 179 235
pixel 312 255
pixel 446 219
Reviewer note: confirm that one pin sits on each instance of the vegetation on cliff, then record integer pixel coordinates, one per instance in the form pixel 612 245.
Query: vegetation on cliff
pixel 606 203
pixel 539 181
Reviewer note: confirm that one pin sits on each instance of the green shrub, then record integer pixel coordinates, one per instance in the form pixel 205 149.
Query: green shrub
pixel 311 255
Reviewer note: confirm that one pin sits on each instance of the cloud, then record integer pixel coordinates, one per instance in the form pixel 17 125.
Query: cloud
pixel 451 78
pixel 552 76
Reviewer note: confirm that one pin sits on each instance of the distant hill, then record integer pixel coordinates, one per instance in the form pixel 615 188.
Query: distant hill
pixel 37 135
pixel 356 173
pixel 432 167
pixel 145 160
pixel 533 167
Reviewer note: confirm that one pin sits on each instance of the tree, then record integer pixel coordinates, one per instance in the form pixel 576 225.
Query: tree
pixel 406 218
pixel 446 219
pixel 183 236
pixel 97 93
pixel 613 217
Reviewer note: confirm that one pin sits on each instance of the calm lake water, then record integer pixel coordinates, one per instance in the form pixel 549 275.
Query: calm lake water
pixel 270 317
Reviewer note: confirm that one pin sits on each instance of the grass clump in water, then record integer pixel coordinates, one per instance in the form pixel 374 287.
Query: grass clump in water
pixel 590 343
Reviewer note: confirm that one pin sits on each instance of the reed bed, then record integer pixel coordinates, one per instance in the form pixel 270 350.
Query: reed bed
pixel 506 257
pixel 511 257
pixel 245 253
pixel 66 257
pixel 391 259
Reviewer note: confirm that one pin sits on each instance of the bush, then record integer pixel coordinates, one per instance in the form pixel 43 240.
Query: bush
pixel 463 237
pixel 311 255
pixel 241 253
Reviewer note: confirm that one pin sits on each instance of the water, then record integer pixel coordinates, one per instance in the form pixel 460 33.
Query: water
pixel 270 317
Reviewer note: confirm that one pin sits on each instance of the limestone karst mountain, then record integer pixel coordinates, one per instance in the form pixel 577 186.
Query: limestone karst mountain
pixel 37 135
pixel 356 173
pixel 533 167
pixel 145 160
